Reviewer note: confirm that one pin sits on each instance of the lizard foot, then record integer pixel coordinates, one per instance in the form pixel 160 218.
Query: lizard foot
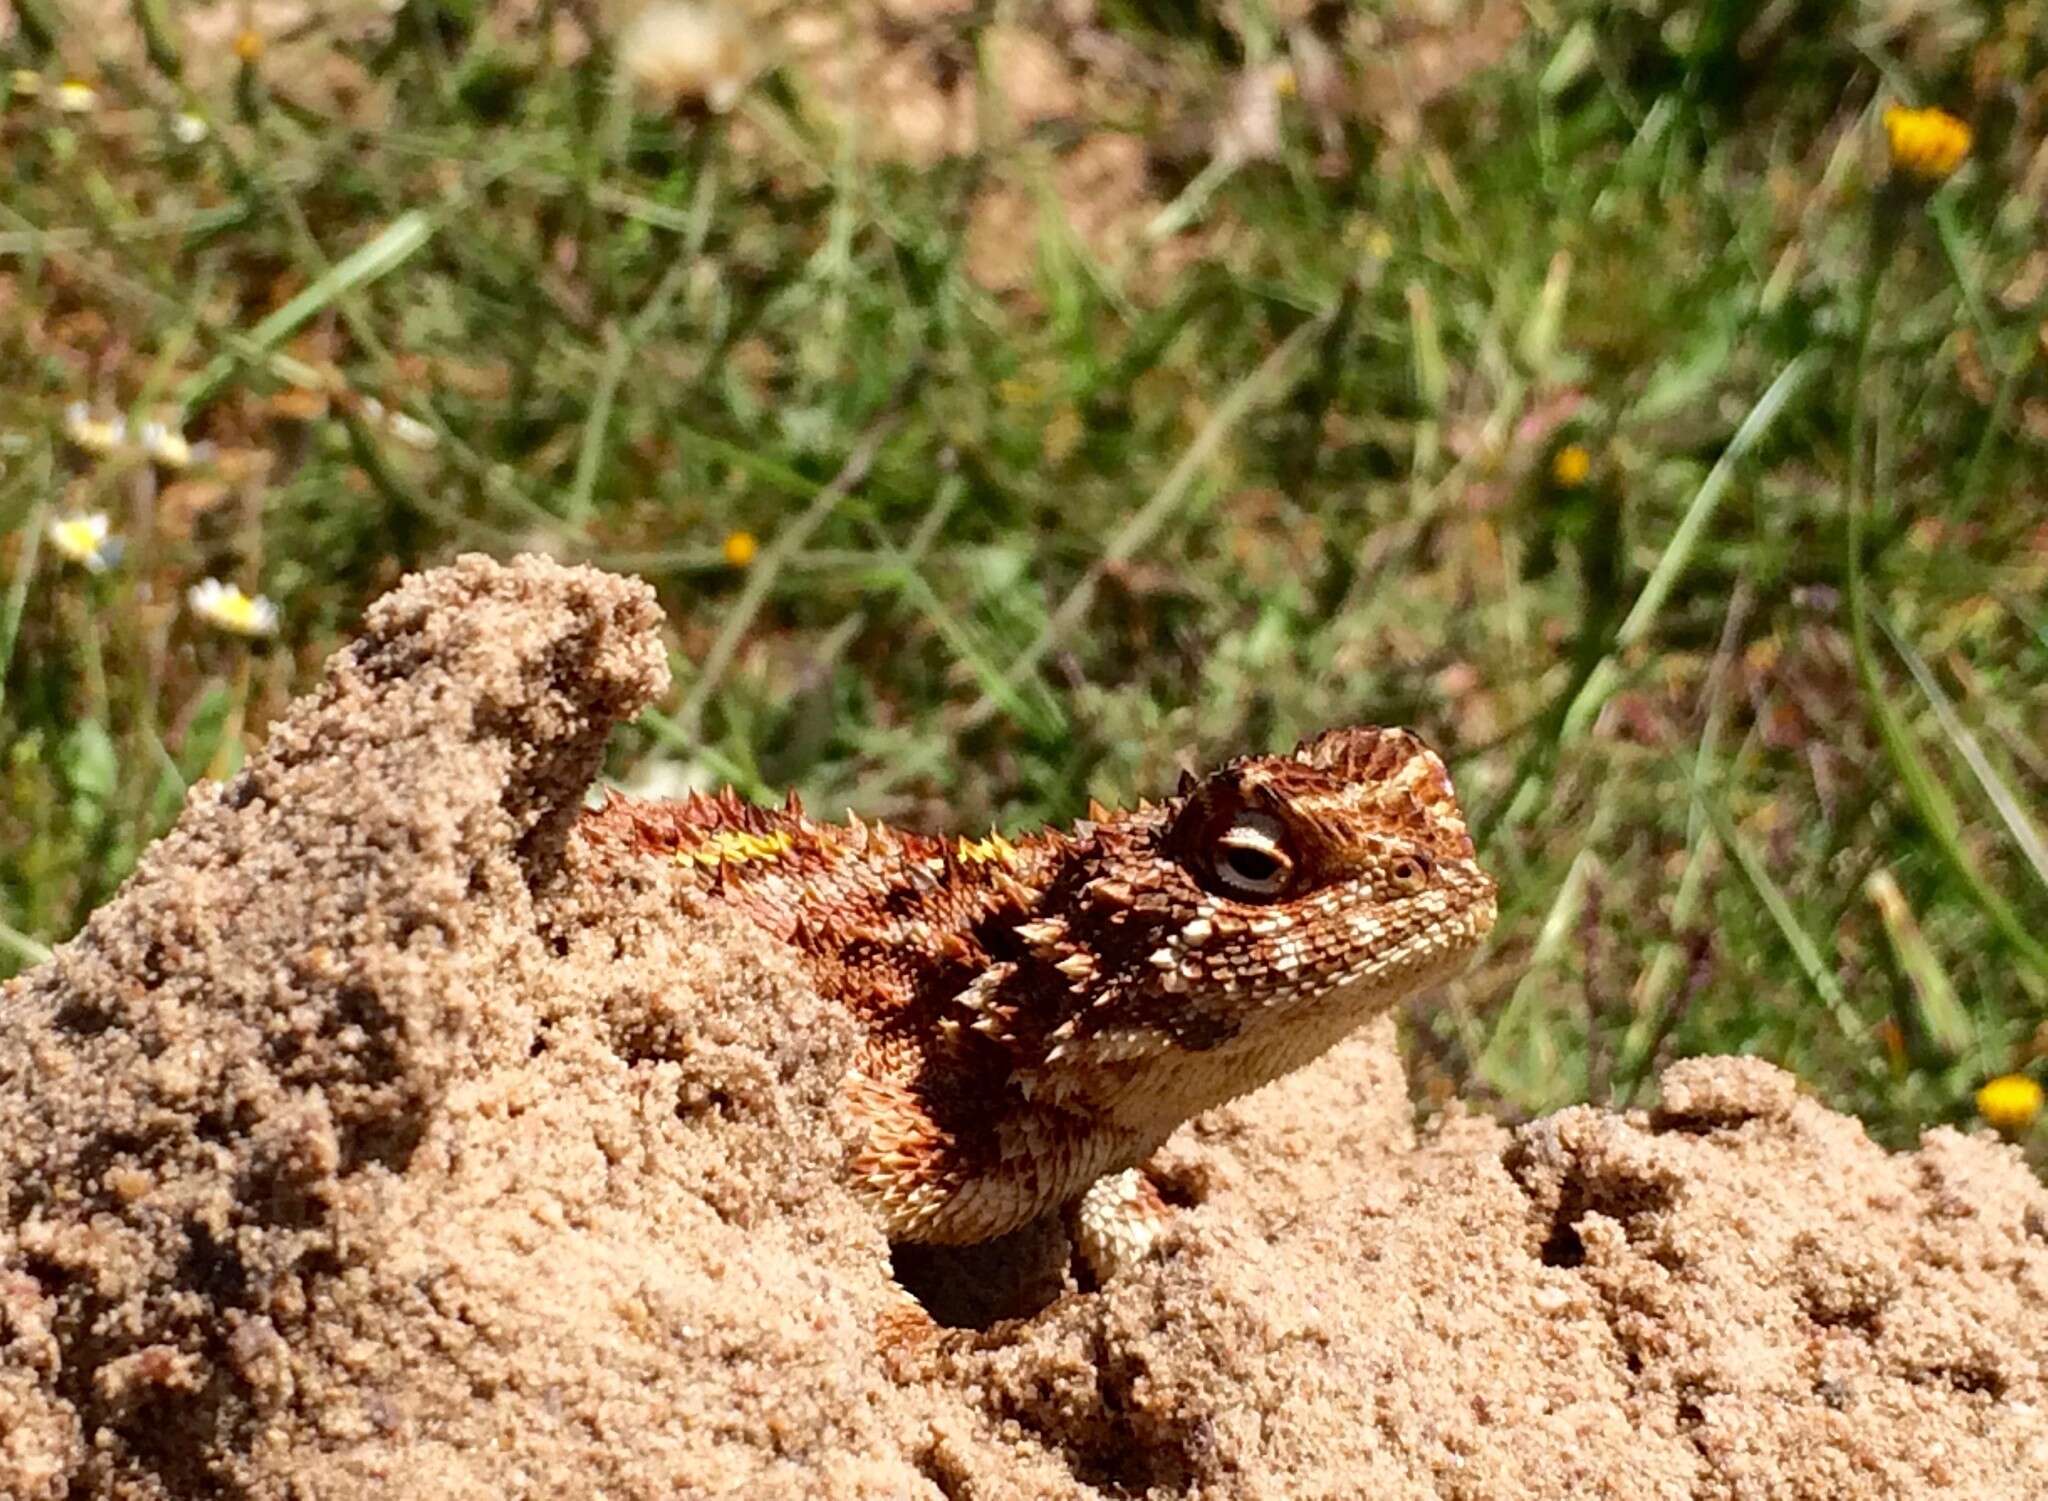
pixel 1117 1221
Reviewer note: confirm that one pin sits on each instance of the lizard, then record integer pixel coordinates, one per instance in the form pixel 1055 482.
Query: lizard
pixel 1038 1014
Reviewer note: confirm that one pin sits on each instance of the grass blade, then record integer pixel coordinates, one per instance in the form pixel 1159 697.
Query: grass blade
pixel 1811 962
pixel 1534 1083
pixel 2022 828
pixel 1273 375
pixel 1941 1016
pixel 17 588
pixel 400 239
pixel 590 453
pixel 1930 800
pixel 1679 550
pixel 762 576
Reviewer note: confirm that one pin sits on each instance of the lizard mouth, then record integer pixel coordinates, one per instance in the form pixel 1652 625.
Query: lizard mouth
pixel 1442 943
pixel 1205 1048
pixel 1443 930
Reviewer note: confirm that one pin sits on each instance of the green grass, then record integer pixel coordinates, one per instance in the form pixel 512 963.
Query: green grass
pixel 1074 458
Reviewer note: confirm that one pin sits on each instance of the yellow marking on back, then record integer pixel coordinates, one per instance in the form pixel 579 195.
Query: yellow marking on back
pixel 994 850
pixel 733 847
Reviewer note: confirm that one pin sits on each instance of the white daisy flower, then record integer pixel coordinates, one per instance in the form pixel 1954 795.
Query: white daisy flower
pixel 679 53
pixel 74 98
pixel 166 445
pixel 85 539
pixel 188 129
pixel 228 608
pixel 94 434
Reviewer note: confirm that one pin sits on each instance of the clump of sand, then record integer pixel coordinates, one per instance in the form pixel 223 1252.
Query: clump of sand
pixel 376 1141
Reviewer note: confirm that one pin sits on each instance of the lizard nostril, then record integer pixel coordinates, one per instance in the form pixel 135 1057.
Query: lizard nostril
pixel 1411 872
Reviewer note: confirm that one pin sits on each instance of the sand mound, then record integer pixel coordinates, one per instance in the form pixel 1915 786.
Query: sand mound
pixel 372 1142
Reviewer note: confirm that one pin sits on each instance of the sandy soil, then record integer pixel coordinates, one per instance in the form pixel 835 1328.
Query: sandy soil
pixel 373 1143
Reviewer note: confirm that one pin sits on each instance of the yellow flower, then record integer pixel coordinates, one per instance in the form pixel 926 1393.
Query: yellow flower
pixel 2011 1102
pixel 740 548
pixel 227 607
pixel 248 45
pixel 84 540
pixel 1571 465
pixel 74 98
pixel 1926 143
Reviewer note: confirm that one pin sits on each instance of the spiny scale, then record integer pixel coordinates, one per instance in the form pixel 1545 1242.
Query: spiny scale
pixel 1043 1011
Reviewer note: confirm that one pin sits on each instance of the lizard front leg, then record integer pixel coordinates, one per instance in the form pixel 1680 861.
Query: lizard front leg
pixel 1116 1221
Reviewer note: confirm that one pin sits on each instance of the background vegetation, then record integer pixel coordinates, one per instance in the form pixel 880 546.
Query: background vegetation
pixel 1011 403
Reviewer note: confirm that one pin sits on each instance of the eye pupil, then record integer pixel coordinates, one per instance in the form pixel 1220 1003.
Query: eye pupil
pixel 1247 858
pixel 1253 866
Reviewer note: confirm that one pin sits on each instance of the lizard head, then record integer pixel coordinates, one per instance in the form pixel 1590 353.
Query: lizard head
pixel 1243 926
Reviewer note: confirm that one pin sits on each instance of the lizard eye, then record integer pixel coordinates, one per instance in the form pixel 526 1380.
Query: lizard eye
pixel 1248 857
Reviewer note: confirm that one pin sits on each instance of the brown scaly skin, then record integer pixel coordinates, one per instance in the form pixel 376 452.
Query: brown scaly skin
pixel 1042 1014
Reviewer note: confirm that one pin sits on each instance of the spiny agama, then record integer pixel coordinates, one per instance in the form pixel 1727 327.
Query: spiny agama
pixel 1041 1013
